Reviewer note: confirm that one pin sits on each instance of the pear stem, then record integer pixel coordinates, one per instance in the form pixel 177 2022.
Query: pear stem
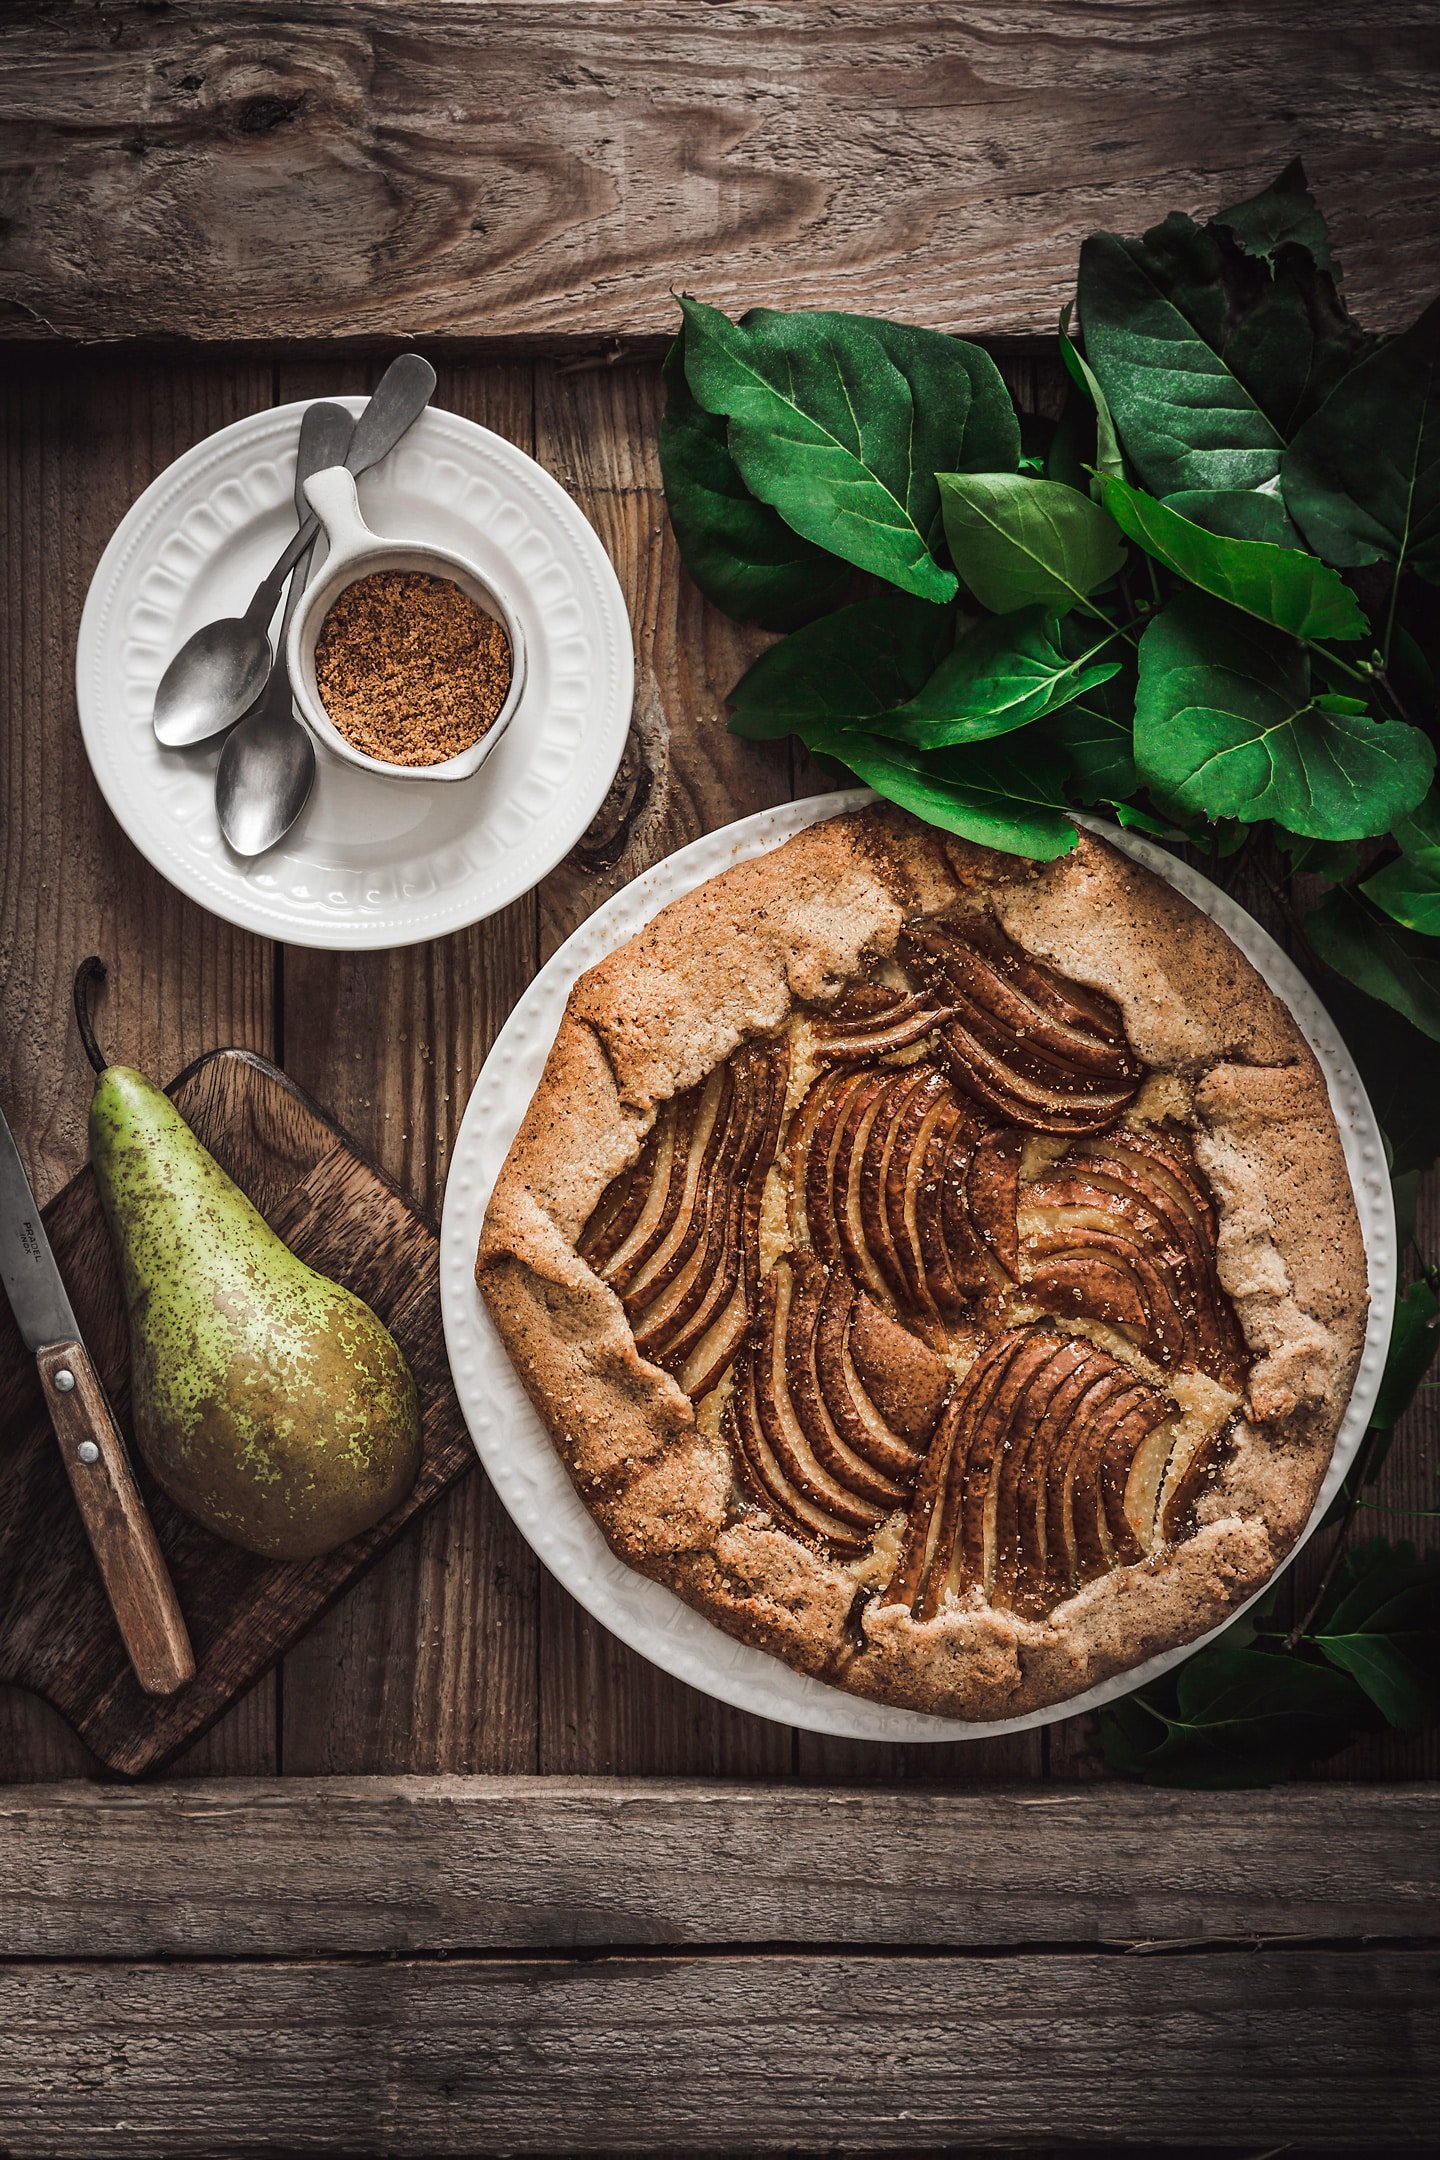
pixel 89 972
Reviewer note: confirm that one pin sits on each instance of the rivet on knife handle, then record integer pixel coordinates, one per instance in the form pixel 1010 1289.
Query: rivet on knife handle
pixel 136 1578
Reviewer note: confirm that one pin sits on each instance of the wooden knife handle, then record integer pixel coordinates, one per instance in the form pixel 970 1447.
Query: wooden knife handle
pixel 122 1536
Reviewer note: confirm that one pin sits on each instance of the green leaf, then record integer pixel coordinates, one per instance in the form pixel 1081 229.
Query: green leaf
pixel 1381 1625
pixel 1107 458
pixel 1098 748
pixel 1405 1192
pixel 1283 331
pixel 1238 514
pixel 1413 1343
pixel 1388 963
pixel 1282 215
pixel 1002 674
pixel 1400 1069
pixel 740 552
pixel 987 792
pixel 841 422
pixel 1024 543
pixel 1278 585
pixel 1185 417
pixel 1409 889
pixel 1362 477
pixel 1336 860
pixel 1135 818
pixel 846 670
pixel 1232 1715
pixel 1226 726
pixel 1211 358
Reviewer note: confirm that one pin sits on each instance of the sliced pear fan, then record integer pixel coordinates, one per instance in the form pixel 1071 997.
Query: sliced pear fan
pixel 874 1020
pixel 1128 1238
pixel 907 1186
pixel 1029 1488
pixel 826 1451
pixel 677 1235
pixel 1032 1047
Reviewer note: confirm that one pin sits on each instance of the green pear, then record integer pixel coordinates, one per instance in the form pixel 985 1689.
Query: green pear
pixel 269 1402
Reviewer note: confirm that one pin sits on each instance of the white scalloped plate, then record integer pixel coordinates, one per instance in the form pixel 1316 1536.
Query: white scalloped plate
pixel 514 1446
pixel 370 862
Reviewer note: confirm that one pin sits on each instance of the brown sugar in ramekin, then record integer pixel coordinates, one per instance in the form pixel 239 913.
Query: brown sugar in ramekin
pixel 409 668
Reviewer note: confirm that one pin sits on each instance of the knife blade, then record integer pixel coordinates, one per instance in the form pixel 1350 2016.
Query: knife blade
pixel 122 1536
pixel 32 1282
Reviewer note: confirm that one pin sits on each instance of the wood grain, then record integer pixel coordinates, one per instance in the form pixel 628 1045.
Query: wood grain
pixel 57 1634
pixel 721 2054
pixel 79 439
pixel 515 172
pixel 384 1866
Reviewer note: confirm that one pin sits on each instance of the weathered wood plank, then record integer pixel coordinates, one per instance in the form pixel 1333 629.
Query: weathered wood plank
pixel 721 2054
pixel 385 1865
pixel 430 1663
pixel 81 437
pixel 501 170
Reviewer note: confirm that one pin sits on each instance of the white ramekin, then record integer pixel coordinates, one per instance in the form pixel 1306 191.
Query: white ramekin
pixel 356 552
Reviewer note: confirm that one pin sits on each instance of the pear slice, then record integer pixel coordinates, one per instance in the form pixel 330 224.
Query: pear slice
pixel 762 1479
pixel 642 1277
pixel 874 1020
pixel 1177 1507
pixel 978 1390
pixel 843 1321
pixel 992 1195
pixel 1016 1558
pixel 917 1548
pixel 1003 1424
pixel 850 1469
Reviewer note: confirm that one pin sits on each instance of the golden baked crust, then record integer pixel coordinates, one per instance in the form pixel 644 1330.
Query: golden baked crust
pixel 736 961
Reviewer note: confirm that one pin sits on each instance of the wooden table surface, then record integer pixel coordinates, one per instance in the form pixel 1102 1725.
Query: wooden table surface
pixel 208 209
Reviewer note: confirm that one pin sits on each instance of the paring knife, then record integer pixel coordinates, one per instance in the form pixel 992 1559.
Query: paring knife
pixel 122 1536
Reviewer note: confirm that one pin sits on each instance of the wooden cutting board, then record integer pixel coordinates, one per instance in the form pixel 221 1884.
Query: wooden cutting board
pixel 339 1214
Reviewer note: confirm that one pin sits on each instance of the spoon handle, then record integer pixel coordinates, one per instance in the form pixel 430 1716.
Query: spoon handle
pixel 326 433
pixel 401 396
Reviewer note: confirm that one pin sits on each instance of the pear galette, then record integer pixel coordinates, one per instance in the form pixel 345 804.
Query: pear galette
pixel 938 1268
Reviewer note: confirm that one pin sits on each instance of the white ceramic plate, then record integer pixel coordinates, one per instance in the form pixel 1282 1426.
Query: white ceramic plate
pixel 371 861
pixel 516 1449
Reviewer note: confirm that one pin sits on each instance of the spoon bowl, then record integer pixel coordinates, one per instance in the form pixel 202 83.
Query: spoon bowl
pixel 214 678
pixel 267 767
pixel 266 772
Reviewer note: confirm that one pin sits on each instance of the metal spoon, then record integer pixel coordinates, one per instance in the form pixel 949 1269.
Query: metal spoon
pixel 267 767
pixel 220 671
